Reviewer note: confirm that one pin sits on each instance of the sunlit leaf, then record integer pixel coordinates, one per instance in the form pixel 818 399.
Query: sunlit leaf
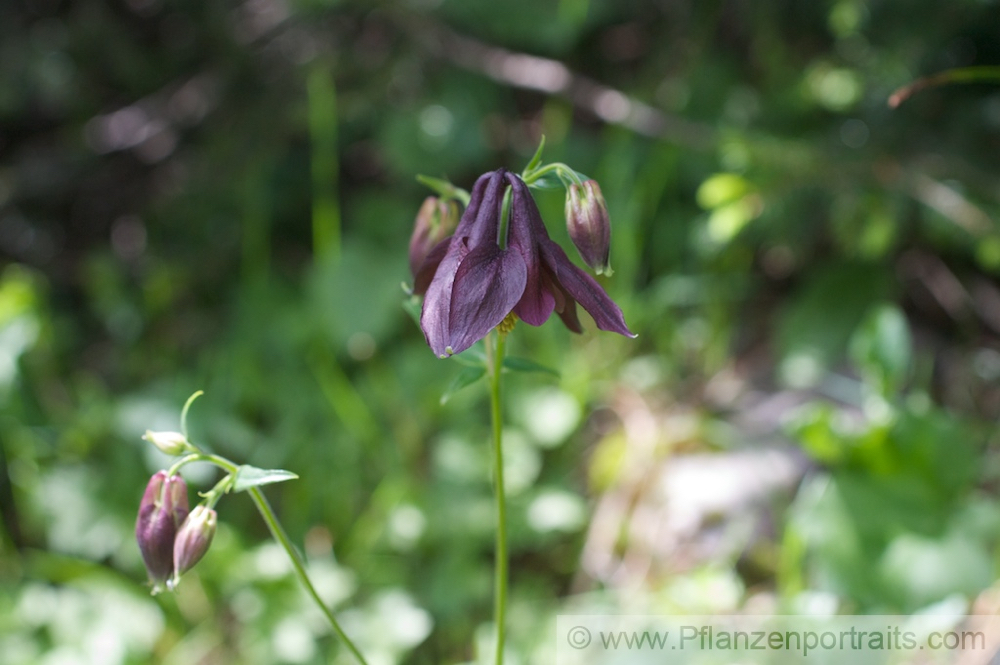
pixel 250 476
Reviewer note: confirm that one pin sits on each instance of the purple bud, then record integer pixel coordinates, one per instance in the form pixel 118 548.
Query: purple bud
pixel 163 508
pixel 435 221
pixel 193 539
pixel 589 226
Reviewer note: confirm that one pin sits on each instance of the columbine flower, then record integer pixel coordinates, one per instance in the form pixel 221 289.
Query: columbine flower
pixel 588 225
pixel 163 508
pixel 193 539
pixel 481 277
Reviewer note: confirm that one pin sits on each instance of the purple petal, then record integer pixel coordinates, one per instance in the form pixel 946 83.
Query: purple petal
pixel 525 231
pixel 479 226
pixel 487 285
pixel 481 220
pixel 565 305
pixel 436 313
pixel 582 287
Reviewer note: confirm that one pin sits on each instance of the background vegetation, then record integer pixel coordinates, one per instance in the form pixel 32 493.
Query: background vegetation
pixel 219 195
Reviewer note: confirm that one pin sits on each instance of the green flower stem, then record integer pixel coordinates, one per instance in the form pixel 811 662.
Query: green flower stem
pixel 495 365
pixel 187 459
pixel 564 173
pixel 184 411
pixel 279 534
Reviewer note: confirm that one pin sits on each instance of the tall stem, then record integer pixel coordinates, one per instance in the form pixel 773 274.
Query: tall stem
pixel 278 531
pixel 300 569
pixel 500 592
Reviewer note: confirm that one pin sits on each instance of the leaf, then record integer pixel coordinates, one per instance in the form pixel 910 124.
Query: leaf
pixel 524 365
pixel 250 476
pixel 464 379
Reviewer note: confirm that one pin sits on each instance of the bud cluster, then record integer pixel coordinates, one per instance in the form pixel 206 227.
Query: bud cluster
pixel 171 537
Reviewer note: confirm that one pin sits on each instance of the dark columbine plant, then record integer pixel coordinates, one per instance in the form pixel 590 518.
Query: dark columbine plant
pixel 173 539
pixel 500 265
pixel 488 272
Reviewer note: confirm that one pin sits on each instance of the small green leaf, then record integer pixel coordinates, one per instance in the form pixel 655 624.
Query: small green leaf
pixel 464 379
pixel 250 476
pixel 525 365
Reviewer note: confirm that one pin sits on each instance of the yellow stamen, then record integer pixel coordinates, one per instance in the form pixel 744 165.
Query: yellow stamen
pixel 507 324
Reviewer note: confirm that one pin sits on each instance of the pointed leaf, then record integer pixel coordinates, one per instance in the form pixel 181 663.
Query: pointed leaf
pixel 525 365
pixel 250 476
pixel 464 379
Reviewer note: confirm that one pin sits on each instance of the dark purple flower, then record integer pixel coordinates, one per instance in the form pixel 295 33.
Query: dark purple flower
pixel 163 508
pixel 481 278
pixel 588 225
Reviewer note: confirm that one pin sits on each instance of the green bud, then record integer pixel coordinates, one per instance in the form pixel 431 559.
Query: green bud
pixel 171 443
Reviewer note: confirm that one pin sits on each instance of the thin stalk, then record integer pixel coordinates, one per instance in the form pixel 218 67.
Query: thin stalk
pixel 184 411
pixel 959 75
pixel 278 531
pixel 495 365
pixel 279 535
pixel 564 173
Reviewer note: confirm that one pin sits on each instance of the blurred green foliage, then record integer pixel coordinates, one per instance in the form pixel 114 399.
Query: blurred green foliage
pixel 218 196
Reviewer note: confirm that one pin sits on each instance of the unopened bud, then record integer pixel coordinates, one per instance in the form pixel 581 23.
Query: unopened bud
pixel 163 509
pixel 435 221
pixel 588 225
pixel 171 443
pixel 193 539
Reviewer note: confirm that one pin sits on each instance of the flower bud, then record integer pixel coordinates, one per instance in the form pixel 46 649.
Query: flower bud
pixel 171 443
pixel 193 539
pixel 588 225
pixel 163 508
pixel 435 221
